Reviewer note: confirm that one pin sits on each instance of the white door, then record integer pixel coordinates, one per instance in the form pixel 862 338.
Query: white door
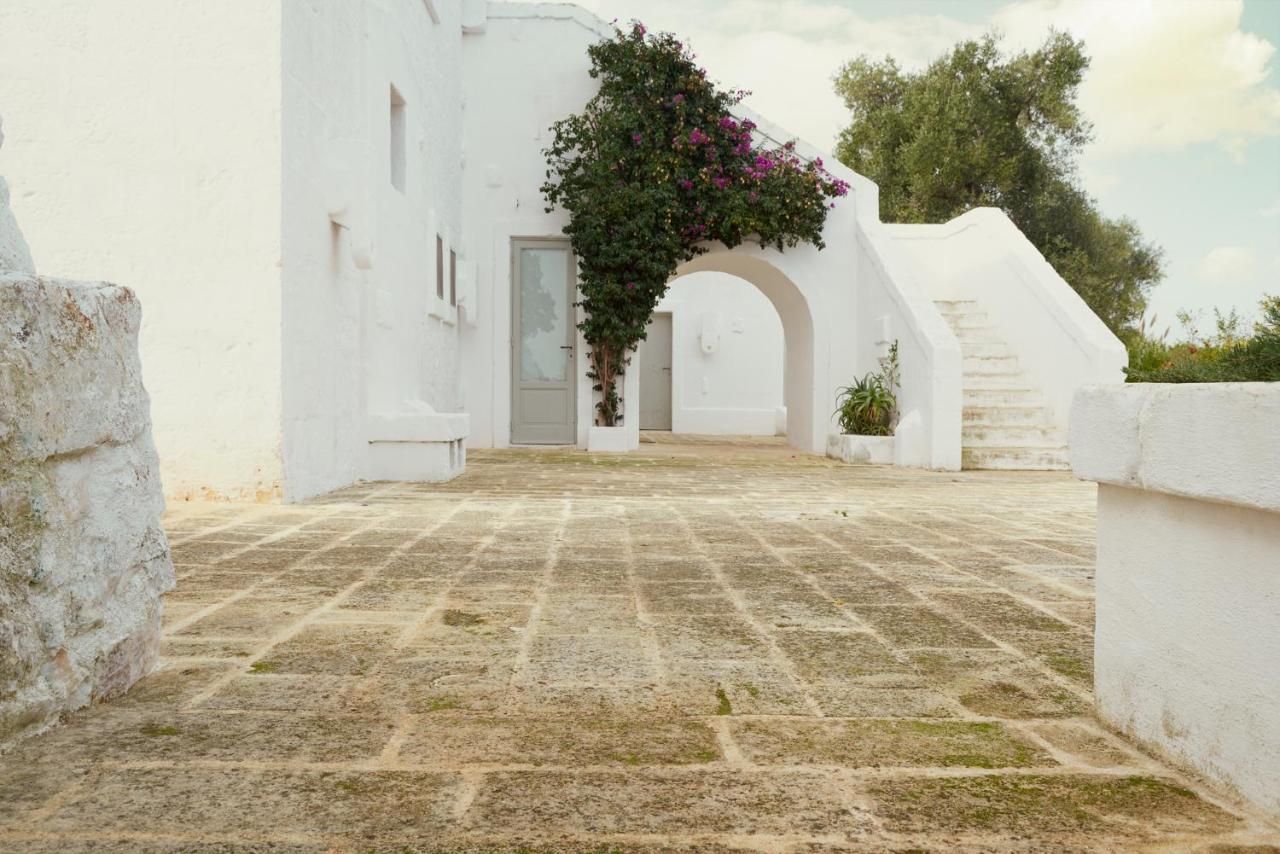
pixel 543 383
pixel 655 375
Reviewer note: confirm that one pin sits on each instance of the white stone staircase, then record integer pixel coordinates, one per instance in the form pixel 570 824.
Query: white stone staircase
pixel 1005 423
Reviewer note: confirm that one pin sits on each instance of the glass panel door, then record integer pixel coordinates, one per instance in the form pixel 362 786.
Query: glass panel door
pixel 543 380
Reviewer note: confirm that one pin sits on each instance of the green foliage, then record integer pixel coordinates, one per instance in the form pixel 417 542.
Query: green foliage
pixel 978 128
pixel 869 406
pixel 1226 355
pixel 1147 350
pixel 652 169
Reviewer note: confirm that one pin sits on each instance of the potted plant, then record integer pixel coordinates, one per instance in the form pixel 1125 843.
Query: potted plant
pixel 868 413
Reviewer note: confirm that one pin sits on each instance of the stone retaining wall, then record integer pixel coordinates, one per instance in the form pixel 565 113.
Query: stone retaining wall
pixel 83 559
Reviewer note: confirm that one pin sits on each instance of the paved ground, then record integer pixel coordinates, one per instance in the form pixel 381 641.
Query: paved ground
pixel 694 648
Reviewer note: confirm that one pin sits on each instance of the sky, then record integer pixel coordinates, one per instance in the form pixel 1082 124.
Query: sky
pixel 1184 97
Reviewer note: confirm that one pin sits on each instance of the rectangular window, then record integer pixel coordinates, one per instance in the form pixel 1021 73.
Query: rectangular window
pixel 439 266
pixel 453 278
pixel 397 140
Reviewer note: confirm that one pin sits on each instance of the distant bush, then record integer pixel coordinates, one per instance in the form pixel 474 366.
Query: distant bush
pixel 1227 356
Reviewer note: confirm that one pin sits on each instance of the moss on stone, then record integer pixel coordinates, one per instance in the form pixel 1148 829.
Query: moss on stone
pixel 723 706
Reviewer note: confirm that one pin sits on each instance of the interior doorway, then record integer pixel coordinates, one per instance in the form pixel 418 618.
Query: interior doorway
pixel 655 374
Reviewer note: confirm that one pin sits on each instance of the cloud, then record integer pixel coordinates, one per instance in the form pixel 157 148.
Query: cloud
pixel 1228 265
pixel 1165 75
pixel 786 52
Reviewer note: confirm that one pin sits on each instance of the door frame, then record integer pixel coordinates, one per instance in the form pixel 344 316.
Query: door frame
pixel 513 367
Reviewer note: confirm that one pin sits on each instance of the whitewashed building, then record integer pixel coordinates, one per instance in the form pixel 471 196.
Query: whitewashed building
pixel 331 214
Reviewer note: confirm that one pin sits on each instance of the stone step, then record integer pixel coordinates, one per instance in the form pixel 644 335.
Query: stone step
pixel 1005 396
pixel 1014 458
pixel 1011 436
pixel 1005 423
pixel 985 350
pixel 987 361
pixel 996 382
pixel 995 366
pixel 977 335
pixel 969 320
pixel 1012 415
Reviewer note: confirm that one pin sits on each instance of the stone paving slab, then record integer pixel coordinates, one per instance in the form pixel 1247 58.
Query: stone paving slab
pixel 699 647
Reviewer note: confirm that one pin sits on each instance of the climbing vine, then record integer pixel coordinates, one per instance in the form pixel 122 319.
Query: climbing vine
pixel 655 168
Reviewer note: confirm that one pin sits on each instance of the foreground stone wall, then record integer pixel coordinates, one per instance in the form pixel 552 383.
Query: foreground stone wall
pixel 1188 579
pixel 83 559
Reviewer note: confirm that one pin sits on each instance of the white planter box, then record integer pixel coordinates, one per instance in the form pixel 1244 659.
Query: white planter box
pixel 876 450
pixel 608 439
pixel 1187 645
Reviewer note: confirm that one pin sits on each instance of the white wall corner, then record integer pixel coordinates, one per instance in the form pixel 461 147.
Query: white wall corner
pixel 468 300
pixel 475 14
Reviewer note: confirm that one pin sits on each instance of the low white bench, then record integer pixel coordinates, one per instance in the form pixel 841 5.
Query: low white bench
pixel 420 446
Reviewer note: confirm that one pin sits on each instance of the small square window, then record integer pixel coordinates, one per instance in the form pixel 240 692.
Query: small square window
pixel 398 132
pixel 439 266
pixel 453 278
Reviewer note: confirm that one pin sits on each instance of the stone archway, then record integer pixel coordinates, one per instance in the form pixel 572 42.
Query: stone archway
pixel 805 363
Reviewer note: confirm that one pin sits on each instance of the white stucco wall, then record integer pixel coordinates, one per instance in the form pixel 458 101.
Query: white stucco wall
pixel 524 67
pixel 1188 579
pixel 364 342
pixel 736 389
pixel 203 170
pixel 144 148
pixel 893 305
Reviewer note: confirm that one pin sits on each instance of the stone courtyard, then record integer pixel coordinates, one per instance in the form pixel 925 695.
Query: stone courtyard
pixel 703 646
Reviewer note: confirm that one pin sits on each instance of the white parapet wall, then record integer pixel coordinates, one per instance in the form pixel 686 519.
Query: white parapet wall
pixel 1188 579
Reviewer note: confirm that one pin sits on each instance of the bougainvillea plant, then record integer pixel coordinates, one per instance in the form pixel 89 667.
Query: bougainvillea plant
pixel 654 169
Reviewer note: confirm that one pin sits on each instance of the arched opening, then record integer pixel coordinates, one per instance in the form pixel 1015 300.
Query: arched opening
pixel 733 353
pixel 712 363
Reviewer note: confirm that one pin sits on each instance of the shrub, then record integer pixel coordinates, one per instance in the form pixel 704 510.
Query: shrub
pixel 1225 357
pixel 654 168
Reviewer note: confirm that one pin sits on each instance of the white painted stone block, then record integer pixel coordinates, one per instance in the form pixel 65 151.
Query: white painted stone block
pixel 417 462
pixel 608 439
pixel 417 444
pixel 1188 579
pixel 875 450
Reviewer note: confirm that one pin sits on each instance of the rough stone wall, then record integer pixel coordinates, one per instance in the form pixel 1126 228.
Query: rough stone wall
pixel 83 559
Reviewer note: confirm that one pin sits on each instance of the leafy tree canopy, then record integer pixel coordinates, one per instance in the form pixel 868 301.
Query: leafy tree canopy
pixel 980 128
pixel 654 167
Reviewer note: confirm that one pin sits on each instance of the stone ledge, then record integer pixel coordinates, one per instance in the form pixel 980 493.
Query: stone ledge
pixel 1208 441
pixel 419 427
